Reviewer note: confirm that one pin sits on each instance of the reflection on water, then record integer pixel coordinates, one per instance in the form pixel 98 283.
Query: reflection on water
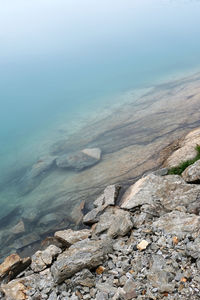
pixel 88 80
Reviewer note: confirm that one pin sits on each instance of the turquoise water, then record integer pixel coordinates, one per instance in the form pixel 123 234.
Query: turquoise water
pixel 67 55
pixel 65 58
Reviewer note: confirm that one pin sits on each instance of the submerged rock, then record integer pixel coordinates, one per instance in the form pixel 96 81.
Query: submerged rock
pixel 36 174
pixel 79 160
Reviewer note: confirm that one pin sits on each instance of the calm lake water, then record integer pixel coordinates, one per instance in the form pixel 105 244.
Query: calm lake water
pixel 61 61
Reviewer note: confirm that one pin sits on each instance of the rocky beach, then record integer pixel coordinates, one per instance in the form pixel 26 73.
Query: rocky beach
pixel 71 171
pixel 142 243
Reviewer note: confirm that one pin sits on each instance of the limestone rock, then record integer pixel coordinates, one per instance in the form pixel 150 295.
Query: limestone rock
pixel 84 278
pixel 36 174
pixel 42 259
pixel 192 173
pixel 178 223
pixel 84 254
pixel 114 222
pixel 69 237
pixel 18 228
pixel 161 194
pixel 186 149
pixel 108 198
pixel 79 160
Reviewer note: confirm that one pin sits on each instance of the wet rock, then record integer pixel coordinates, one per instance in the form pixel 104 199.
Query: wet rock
pixel 79 160
pixel 192 173
pixel 161 194
pixel 26 240
pixel 178 223
pixel 36 174
pixel 13 265
pixel 83 254
pixel 10 215
pixel 114 222
pixel 18 228
pixel 77 215
pixel 69 237
pixel 109 197
pixel 42 259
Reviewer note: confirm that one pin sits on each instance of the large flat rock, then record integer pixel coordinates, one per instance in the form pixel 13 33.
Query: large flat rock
pixel 161 194
pixel 84 254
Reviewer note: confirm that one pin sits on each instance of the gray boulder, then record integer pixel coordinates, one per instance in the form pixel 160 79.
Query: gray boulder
pixel 84 254
pixel 79 160
pixel 178 223
pixel 158 194
pixel 42 259
pixel 69 237
pixel 108 197
pixel 192 173
pixel 114 222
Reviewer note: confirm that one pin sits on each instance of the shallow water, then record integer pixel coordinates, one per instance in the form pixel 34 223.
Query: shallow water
pixel 90 65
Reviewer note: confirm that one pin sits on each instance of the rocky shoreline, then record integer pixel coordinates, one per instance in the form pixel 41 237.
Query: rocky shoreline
pixel 70 171
pixel 139 244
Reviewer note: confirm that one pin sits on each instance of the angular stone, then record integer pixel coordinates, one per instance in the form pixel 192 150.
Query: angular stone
pixel 178 223
pixel 42 259
pixel 18 228
pixel 142 245
pixel 69 237
pixel 192 173
pixel 13 265
pixel 161 194
pixel 108 198
pixel 79 160
pixel 114 222
pixel 193 248
pixel 84 254
pixel 84 278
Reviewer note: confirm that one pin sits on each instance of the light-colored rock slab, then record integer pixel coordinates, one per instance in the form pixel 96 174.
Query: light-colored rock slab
pixel 178 223
pixel 84 254
pixel 186 149
pixel 69 237
pixel 161 194
pixel 192 173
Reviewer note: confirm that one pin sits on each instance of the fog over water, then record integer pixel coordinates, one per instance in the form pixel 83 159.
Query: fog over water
pixel 64 59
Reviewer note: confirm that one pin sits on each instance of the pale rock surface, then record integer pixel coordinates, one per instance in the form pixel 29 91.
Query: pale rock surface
pixel 69 237
pixel 186 149
pixel 192 173
pixel 160 194
pixel 108 198
pixel 178 223
pixel 84 254
pixel 80 159
pixel 42 259
pixel 114 222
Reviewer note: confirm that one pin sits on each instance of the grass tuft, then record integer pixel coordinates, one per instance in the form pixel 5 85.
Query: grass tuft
pixel 182 166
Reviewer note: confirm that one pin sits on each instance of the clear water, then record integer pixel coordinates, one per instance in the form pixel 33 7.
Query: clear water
pixel 66 58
